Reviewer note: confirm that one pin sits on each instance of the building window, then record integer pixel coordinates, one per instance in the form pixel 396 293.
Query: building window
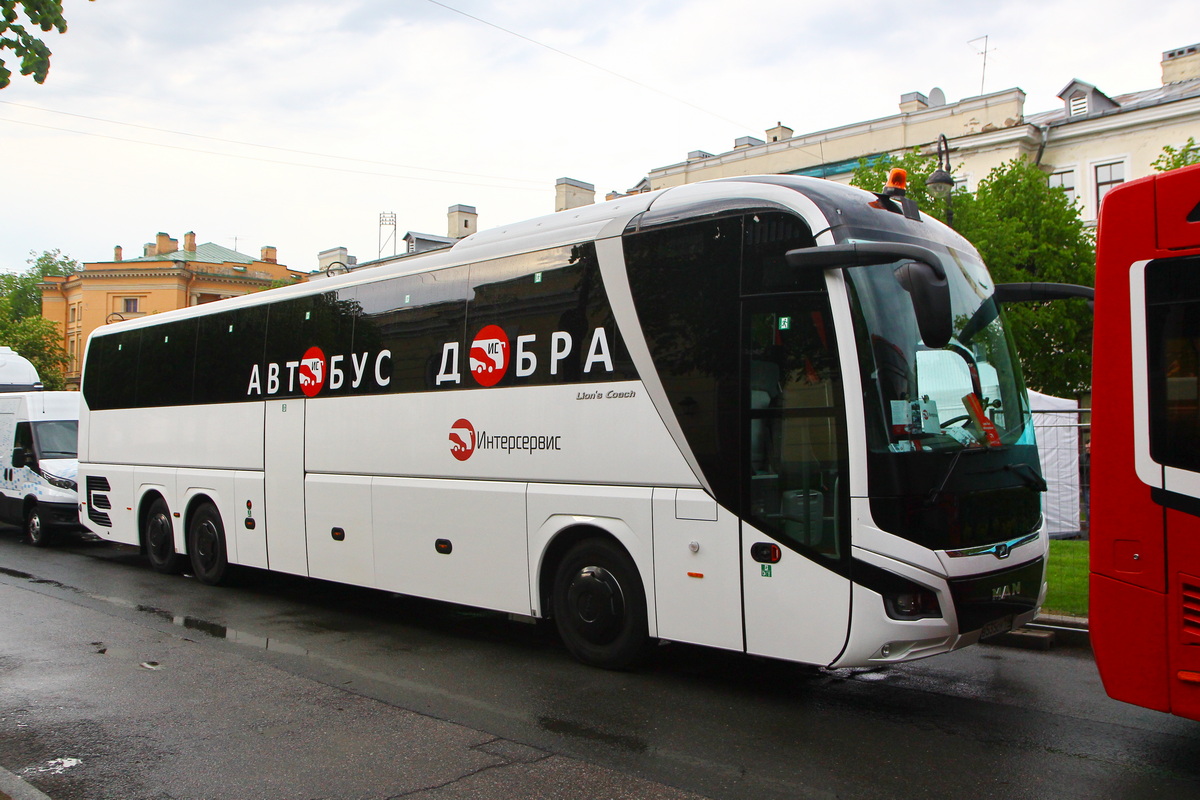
pixel 131 305
pixel 1079 105
pixel 1108 176
pixel 1064 180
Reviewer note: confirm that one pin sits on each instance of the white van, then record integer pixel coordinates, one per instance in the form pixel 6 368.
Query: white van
pixel 39 433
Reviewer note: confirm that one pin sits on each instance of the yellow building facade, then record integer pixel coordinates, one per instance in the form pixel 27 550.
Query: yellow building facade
pixel 165 277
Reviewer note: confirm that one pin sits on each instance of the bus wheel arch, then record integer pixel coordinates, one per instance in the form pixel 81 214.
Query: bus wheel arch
pixel 592 585
pixel 206 542
pixel 157 535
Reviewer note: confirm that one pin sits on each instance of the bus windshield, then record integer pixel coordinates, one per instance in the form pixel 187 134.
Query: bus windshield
pixel 926 408
pixel 967 394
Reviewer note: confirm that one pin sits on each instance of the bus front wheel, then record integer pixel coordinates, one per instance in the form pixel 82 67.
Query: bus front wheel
pixel 160 540
pixel 206 546
pixel 600 605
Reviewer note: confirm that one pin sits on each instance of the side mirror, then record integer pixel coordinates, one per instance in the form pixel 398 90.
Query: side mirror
pixel 18 457
pixel 921 275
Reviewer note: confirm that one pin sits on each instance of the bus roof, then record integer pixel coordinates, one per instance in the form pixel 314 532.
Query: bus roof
pixel 586 223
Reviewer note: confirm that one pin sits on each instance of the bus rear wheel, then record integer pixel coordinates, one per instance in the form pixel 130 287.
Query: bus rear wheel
pixel 160 540
pixel 600 605
pixel 206 546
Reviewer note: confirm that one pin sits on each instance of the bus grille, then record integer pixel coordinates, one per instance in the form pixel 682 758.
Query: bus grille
pixel 96 485
pixel 1191 607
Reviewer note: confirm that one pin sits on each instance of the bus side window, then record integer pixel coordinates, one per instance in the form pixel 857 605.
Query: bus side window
pixel 1173 341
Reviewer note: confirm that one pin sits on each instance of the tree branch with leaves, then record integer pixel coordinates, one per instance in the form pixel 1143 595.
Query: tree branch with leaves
pixel 16 35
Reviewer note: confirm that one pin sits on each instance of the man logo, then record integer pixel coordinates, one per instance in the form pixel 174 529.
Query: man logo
pixel 462 439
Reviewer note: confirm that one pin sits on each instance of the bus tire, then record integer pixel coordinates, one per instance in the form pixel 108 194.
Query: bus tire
pixel 206 545
pixel 159 533
pixel 36 532
pixel 600 605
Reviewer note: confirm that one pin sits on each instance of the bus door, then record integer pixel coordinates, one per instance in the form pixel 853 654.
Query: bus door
pixel 794 537
pixel 283 462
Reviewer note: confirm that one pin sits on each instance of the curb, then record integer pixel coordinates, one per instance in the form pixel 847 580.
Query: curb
pixel 13 788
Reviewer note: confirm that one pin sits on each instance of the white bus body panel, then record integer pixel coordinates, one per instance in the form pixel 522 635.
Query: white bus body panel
pixel 484 522
pixel 287 549
pixel 409 435
pixel 339 529
pixel 696 575
pixel 796 609
pixel 226 436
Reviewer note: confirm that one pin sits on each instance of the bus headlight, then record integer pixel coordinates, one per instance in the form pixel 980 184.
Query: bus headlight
pixel 916 603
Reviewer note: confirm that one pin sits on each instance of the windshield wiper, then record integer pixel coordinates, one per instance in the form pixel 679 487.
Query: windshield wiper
pixel 1032 479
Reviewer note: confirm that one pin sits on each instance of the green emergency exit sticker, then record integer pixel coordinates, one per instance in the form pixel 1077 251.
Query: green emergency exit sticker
pixel 785 323
pixel 766 570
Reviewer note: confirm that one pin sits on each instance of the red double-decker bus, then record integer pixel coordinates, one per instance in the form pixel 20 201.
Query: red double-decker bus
pixel 1145 449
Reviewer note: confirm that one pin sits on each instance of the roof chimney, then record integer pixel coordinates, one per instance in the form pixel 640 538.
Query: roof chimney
pixel 461 221
pixel 165 244
pixel 189 241
pixel 913 101
pixel 570 193
pixel 747 141
pixel 267 254
pixel 117 253
pixel 1181 64
pixel 779 133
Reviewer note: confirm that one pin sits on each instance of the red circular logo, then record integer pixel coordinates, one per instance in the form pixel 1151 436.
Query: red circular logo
pixel 489 355
pixel 312 372
pixel 462 439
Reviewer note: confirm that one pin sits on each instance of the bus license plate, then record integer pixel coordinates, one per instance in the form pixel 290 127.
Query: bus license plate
pixel 996 627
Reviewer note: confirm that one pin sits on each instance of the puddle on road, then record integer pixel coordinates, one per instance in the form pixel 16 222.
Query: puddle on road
pixel 211 629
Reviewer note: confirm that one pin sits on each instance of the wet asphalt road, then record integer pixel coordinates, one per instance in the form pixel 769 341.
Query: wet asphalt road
pixel 117 682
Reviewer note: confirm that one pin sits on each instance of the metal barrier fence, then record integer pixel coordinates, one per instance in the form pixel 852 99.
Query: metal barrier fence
pixel 1064 437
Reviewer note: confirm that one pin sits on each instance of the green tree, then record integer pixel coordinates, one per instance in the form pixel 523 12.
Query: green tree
pixel 1025 230
pixel 1170 158
pixel 872 174
pixel 16 36
pixel 22 326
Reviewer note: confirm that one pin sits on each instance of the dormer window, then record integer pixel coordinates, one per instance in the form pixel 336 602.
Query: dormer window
pixel 1081 99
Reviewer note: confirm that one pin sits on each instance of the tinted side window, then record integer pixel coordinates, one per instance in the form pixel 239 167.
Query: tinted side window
pixel 166 364
pixel 228 347
pixel 110 375
pixel 554 314
pixel 684 281
pixel 412 317
pixel 1173 344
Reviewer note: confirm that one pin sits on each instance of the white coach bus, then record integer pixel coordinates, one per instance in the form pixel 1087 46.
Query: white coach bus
pixel 707 414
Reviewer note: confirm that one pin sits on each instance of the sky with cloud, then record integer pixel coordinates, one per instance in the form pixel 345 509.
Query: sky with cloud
pixel 295 123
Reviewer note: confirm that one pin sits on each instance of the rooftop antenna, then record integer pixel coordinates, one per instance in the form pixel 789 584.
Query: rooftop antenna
pixel 387 219
pixel 984 52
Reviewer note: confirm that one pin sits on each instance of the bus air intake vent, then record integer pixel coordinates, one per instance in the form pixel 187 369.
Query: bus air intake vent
pixel 97 486
pixel 1190 596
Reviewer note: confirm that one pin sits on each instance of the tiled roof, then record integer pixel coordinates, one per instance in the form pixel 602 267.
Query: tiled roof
pixel 207 253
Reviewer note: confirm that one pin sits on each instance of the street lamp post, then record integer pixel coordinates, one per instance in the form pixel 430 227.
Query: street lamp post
pixel 940 183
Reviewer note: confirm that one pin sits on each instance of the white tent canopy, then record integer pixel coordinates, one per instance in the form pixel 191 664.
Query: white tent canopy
pixel 1056 426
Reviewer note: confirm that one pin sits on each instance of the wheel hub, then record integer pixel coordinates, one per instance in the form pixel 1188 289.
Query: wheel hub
pixel 597 604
